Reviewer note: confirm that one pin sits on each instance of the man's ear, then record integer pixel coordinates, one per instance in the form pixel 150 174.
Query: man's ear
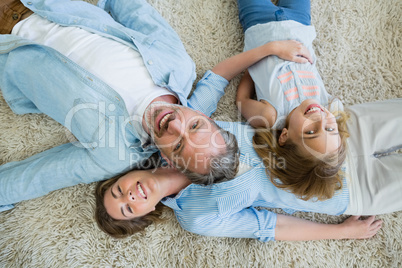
pixel 283 137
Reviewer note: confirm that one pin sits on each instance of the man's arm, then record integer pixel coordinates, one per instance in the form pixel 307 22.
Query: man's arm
pixel 59 167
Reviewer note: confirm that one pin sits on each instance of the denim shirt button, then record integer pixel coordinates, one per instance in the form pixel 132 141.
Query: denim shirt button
pixel 29 3
pixel 150 62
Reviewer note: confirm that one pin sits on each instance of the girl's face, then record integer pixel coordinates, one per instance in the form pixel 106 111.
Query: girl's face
pixel 312 128
pixel 133 195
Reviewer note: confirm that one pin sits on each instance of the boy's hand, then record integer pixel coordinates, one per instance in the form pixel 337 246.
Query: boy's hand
pixel 291 50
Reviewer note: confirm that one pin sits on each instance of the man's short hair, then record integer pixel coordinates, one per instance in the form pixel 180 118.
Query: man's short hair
pixel 223 167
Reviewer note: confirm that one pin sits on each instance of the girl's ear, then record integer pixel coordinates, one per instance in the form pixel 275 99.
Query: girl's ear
pixel 283 137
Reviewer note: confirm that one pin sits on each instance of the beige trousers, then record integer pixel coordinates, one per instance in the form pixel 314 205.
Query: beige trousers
pixel 375 145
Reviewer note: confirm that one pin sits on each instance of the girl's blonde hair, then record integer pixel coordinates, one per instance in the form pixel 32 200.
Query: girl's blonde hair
pixel 306 177
pixel 121 228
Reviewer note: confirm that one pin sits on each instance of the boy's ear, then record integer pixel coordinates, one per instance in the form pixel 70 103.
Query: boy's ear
pixel 283 137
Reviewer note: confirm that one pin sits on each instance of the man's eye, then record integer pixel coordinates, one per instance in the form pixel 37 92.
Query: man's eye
pixel 177 147
pixel 194 125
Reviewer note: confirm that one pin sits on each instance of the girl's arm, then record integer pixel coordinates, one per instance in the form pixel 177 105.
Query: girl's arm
pixel 257 113
pixel 292 228
pixel 288 50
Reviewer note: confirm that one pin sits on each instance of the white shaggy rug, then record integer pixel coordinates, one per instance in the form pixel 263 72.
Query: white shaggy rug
pixel 359 47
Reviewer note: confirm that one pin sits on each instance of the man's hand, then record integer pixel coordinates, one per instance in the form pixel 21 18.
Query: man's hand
pixel 291 50
pixel 356 228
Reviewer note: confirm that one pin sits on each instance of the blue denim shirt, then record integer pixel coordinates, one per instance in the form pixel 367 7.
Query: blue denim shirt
pixel 38 79
pixel 230 209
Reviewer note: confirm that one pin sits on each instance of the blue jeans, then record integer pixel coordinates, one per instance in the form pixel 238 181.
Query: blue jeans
pixel 252 12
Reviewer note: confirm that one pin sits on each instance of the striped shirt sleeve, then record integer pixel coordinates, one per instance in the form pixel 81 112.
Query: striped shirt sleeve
pixel 247 223
pixel 207 93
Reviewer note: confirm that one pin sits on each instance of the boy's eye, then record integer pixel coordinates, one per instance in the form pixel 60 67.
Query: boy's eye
pixel 310 132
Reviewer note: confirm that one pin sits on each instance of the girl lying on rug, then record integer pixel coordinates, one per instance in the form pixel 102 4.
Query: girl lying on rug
pixel 292 107
pixel 304 134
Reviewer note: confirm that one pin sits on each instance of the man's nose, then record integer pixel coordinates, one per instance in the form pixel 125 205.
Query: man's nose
pixel 175 128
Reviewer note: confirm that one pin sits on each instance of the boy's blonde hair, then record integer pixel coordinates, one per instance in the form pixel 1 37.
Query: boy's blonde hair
pixel 306 177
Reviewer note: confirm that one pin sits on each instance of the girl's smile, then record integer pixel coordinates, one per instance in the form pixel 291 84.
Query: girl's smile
pixel 312 128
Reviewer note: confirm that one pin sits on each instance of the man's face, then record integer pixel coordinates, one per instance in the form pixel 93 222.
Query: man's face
pixel 185 137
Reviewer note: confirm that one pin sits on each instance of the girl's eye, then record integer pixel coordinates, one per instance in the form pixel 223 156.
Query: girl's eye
pixel 310 132
pixel 194 125
pixel 177 146
pixel 129 209
pixel 330 129
pixel 119 189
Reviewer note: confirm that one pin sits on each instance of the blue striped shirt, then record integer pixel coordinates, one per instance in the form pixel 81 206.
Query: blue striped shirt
pixel 230 209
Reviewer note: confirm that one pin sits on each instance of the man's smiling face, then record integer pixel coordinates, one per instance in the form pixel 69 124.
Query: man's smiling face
pixel 184 136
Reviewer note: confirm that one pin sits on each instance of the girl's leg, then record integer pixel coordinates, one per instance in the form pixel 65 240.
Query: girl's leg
pixel 252 12
pixel 298 10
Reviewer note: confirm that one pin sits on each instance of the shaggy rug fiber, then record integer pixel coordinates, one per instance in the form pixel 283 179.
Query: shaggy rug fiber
pixel 359 51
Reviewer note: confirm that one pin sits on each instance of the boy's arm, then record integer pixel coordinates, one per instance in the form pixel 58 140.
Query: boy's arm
pixel 257 113
pixel 288 50
pixel 292 228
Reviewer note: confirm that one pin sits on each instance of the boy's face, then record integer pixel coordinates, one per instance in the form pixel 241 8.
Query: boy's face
pixel 312 128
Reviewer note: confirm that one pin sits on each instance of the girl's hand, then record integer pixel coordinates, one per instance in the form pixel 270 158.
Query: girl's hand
pixel 356 228
pixel 291 50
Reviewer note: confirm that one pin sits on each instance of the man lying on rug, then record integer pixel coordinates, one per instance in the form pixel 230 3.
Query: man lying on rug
pixel 52 63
